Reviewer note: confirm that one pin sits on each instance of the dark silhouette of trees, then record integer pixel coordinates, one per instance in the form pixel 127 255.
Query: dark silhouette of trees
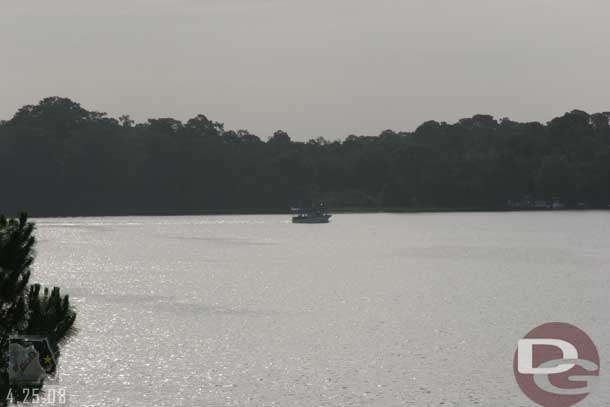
pixel 81 162
pixel 280 138
pixel 24 309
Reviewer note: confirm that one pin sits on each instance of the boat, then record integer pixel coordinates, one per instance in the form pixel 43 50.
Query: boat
pixel 316 214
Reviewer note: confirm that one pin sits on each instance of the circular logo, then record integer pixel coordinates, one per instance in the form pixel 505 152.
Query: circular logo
pixel 556 365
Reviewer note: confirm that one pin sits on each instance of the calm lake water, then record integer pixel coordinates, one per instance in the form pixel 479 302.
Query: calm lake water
pixel 369 310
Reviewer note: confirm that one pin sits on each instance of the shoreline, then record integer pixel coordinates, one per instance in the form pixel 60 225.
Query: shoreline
pixel 355 210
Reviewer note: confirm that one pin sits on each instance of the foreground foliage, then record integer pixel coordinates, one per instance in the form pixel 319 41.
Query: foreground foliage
pixel 24 310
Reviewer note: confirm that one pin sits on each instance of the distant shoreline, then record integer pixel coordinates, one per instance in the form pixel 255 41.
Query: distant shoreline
pixel 356 210
pixel 62 160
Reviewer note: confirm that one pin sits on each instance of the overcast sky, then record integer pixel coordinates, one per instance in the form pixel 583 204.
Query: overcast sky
pixel 311 67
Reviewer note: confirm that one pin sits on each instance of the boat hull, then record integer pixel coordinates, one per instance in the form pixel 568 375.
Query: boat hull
pixel 311 219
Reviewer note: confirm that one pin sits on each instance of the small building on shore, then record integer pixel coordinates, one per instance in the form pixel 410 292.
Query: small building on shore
pixel 527 202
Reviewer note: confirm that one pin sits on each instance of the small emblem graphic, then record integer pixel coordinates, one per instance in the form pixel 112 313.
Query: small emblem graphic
pixel 556 365
pixel 31 360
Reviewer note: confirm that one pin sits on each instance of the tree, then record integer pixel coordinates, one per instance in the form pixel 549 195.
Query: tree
pixel 23 309
pixel 126 121
pixel 240 137
pixel 280 138
pixel 201 126
pixel 165 125
pixel 57 114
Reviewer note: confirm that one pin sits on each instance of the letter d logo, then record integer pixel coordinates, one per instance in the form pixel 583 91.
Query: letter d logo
pixel 525 354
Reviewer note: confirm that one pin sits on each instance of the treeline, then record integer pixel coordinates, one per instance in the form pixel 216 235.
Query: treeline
pixel 57 158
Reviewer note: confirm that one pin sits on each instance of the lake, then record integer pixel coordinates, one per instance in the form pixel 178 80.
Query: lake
pixel 369 310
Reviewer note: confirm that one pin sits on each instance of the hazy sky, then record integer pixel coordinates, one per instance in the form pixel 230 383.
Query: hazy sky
pixel 311 67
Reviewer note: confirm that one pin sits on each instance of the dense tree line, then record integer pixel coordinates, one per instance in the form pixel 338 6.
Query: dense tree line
pixel 61 159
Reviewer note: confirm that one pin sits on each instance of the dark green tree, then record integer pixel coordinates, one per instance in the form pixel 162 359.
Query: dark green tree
pixel 280 138
pixel 24 310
